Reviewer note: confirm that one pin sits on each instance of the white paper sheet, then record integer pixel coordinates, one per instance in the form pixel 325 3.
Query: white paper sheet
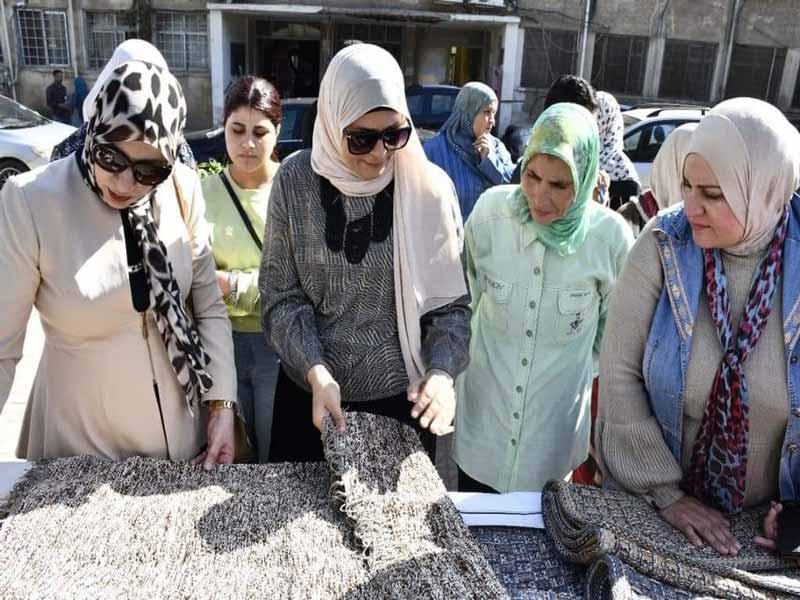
pixel 515 509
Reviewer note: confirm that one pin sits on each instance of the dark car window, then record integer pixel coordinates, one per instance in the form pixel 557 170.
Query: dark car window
pixel 643 145
pixel 416 103
pixel 442 103
pixel 291 121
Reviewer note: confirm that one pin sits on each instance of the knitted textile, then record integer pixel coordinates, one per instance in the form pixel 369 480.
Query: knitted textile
pixel 85 527
pixel 588 524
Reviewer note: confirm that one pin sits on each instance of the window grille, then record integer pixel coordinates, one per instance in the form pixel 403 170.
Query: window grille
pixel 388 37
pixel 619 63
pixel 104 32
pixel 548 55
pixel 183 40
pixel 43 37
pixel 756 72
pixel 688 70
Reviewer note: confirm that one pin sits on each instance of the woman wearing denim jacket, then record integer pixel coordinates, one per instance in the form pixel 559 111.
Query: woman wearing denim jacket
pixel 704 332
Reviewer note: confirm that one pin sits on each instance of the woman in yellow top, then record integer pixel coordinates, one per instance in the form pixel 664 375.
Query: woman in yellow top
pixel 236 208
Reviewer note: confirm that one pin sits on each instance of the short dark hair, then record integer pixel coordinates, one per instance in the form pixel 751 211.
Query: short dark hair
pixel 574 89
pixel 58 72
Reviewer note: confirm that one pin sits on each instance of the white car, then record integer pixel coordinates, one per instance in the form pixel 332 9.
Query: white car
pixel 647 128
pixel 26 138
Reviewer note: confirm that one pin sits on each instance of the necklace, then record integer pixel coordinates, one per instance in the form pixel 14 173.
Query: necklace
pixel 355 237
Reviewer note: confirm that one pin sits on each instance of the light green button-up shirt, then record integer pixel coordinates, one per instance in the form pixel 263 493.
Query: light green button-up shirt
pixel 523 413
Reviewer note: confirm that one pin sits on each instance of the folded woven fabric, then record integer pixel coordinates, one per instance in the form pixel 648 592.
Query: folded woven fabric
pixel 611 579
pixel 416 542
pixel 86 527
pixel 587 523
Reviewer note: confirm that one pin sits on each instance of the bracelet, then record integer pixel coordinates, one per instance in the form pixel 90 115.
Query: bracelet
pixel 215 405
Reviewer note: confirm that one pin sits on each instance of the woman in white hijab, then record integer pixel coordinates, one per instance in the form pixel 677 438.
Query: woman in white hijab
pixel 699 406
pixel 128 50
pixel 666 178
pixel 363 292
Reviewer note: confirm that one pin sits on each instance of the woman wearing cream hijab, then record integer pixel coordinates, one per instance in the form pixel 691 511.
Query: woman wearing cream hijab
pixel 666 178
pixel 363 293
pixel 704 334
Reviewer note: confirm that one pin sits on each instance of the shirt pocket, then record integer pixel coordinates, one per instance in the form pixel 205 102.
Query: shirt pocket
pixel 495 302
pixel 576 313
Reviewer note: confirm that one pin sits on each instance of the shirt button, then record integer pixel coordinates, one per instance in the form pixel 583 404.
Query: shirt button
pixel 532 304
pixel 537 271
pixel 792 448
pixel 797 412
pixel 529 333
pixel 519 389
pixel 513 442
pixel 516 415
pixel 525 362
pixel 793 360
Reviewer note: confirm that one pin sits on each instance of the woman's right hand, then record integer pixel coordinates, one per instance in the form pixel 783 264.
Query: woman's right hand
pixel 326 397
pixel 700 524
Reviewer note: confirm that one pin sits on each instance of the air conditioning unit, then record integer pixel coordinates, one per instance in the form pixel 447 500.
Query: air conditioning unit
pixel 486 3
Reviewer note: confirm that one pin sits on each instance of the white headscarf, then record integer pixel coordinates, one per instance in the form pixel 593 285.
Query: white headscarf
pixel 427 222
pixel 613 159
pixel 127 51
pixel 667 174
pixel 754 153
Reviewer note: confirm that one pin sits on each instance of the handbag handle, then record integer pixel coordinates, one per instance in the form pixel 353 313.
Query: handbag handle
pixel 242 213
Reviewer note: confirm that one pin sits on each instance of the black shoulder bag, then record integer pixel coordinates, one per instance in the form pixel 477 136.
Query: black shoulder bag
pixel 240 208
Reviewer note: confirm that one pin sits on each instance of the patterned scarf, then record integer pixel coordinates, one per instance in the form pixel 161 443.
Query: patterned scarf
pixel 718 470
pixel 143 102
pixel 613 159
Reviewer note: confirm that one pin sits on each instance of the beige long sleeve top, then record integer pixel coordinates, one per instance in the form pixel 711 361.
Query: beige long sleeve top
pixel 630 446
pixel 63 251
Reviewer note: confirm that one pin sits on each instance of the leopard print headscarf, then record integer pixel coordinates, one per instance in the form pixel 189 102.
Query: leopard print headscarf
pixel 143 102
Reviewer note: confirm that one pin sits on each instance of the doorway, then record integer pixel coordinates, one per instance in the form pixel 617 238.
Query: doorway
pixel 291 65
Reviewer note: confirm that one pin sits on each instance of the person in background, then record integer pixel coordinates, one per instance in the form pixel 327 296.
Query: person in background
pixel 81 92
pixel 362 287
pixel 236 211
pixel 58 99
pixel 109 246
pixel 542 259
pixel 128 50
pixel 613 160
pixel 699 378
pixel 567 88
pixel 466 149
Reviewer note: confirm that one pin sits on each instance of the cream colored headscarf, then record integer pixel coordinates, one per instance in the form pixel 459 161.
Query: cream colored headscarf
pixel 427 222
pixel 127 51
pixel 754 153
pixel 667 173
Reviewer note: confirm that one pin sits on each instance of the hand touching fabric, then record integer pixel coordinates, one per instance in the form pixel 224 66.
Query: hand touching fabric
pixel 701 525
pixel 221 439
pixel 434 401
pixel 326 397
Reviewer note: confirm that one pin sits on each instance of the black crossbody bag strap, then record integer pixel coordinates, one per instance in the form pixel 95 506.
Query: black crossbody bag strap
pixel 242 213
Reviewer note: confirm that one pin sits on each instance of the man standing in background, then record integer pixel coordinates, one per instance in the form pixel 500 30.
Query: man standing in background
pixel 57 100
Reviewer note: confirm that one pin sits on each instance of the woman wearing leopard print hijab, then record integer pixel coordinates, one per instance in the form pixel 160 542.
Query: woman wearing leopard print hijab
pixel 109 246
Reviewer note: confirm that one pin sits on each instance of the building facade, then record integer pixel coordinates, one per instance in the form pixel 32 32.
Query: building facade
pixel 687 51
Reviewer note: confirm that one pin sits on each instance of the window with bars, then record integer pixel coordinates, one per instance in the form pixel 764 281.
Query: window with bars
pixel 756 72
pixel 388 37
pixel 104 32
pixel 183 40
pixel 42 36
pixel 619 63
pixel 548 55
pixel 688 69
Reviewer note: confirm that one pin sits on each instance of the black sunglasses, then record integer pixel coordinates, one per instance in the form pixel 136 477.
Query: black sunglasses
pixel 112 159
pixel 363 143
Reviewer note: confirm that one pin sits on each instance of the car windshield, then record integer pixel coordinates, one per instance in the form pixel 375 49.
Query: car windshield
pixel 291 118
pixel 16 116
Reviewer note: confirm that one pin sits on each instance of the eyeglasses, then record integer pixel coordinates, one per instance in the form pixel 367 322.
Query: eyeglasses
pixel 147 172
pixel 363 143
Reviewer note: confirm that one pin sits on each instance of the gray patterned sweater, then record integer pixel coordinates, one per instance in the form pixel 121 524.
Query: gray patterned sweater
pixel 317 308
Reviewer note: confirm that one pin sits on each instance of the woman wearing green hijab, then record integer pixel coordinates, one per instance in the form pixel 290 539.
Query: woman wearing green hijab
pixel 542 259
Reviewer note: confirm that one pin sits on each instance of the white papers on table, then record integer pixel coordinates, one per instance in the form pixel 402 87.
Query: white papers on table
pixel 515 509
pixel 10 472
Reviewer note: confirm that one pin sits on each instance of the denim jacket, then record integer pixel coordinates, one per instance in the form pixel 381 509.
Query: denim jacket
pixel 673 323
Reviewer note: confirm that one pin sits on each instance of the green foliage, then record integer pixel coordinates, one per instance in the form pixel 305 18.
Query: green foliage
pixel 212 167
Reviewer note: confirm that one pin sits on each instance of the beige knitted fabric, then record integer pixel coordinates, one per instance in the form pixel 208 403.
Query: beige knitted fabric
pixel 85 527
pixel 630 447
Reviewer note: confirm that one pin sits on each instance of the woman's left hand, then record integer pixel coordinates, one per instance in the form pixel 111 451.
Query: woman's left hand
pixel 221 439
pixel 483 145
pixel 434 399
pixel 770 533
pixel 603 183
pixel 223 283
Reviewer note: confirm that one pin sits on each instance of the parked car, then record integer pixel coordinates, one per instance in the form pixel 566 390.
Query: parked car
pixel 430 106
pixel 648 127
pixel 26 138
pixel 209 144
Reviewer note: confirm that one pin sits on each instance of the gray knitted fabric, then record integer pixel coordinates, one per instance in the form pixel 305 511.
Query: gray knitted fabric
pixel 588 524
pixel 86 527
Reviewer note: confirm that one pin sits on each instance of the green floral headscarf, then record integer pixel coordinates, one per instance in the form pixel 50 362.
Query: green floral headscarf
pixel 569 132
